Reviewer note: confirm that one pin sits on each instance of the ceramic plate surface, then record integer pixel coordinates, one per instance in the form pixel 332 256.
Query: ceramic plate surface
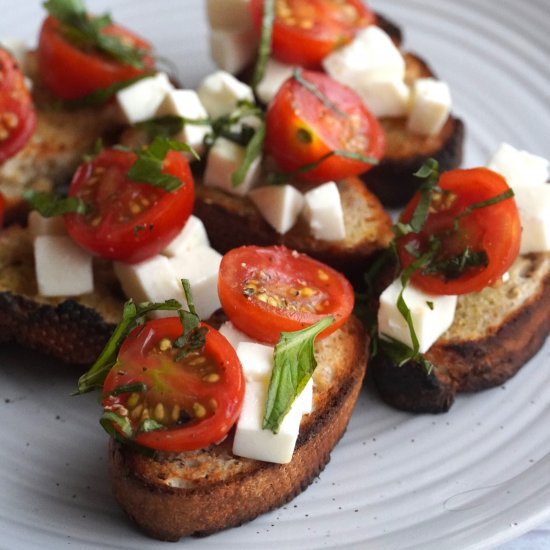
pixel 471 479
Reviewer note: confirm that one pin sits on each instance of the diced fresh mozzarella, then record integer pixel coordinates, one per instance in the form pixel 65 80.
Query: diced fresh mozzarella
pixel 186 103
pixel 519 167
pixel 430 106
pixel 18 49
pixel 62 267
pixel 305 399
pixel 232 51
pixel 276 73
pixel 140 100
pixel 234 335
pixel 256 360
pixel 39 225
pixel 323 210
pixel 225 158
pixel 533 203
pixel 280 205
pixel 191 236
pixel 229 15
pixel 385 97
pixel 201 266
pixel 431 315
pixel 220 92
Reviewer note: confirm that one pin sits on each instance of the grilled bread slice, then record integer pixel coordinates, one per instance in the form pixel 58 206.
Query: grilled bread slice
pixel 197 493
pixel 494 333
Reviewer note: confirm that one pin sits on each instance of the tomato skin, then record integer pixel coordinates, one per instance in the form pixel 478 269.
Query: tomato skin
pixel 17 114
pixel 284 270
pixel 70 73
pixel 138 361
pixel 496 229
pixel 312 29
pixel 301 129
pixel 103 183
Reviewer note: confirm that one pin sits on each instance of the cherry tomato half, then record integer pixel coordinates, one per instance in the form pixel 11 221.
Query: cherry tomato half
pixel 474 246
pixel 17 114
pixel 195 399
pixel 71 73
pixel 126 220
pixel 306 31
pixel 302 129
pixel 265 291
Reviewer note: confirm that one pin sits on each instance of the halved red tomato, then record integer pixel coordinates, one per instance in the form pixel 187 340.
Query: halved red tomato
pixel 17 114
pixel 303 127
pixel 127 220
pixel 473 238
pixel 193 401
pixel 267 290
pixel 70 72
pixel 306 31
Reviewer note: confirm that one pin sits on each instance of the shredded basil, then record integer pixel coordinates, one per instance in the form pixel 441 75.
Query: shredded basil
pixel 399 353
pixel 264 50
pixel 310 87
pixel 482 204
pixel 454 266
pixel 50 205
pixel 252 152
pixel 149 425
pixel 110 419
pixel 169 125
pixel 136 387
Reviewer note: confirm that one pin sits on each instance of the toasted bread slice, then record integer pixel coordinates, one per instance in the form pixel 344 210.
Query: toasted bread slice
pixel 197 493
pixel 494 333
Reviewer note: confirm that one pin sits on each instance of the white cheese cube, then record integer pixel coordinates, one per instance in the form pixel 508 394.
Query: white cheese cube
pixel 186 103
pixel 233 335
pixel 233 51
pixel 533 203
pixel 18 49
pixel 140 100
pixel 225 158
pixel 430 106
pixel 201 266
pixel 276 73
pixel 62 267
pixel 323 210
pixel 385 98
pixel 39 225
pixel 220 92
pixel 256 360
pixel 519 167
pixel 431 315
pixel 191 236
pixel 280 205
pixel 229 14
pixel 305 399
pixel 252 441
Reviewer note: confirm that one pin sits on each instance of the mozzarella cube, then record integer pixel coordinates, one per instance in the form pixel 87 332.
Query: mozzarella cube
pixel 533 203
pixel 229 15
pixel 385 98
pixel 431 315
pixel 224 159
pixel 280 205
pixel 233 335
pixel 18 49
pixel 256 360
pixel 62 267
pixel 201 266
pixel 430 106
pixel 39 225
pixel 276 73
pixel 140 100
pixel 305 399
pixel 233 51
pixel 520 168
pixel 220 92
pixel 323 210
pixel 191 236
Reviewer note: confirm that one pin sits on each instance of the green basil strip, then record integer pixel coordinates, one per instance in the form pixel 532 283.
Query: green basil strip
pixel 293 365
pixel 149 425
pixel 310 87
pixel 50 205
pixel 109 419
pixel 136 387
pixel 264 50
pixel 252 152
pixel 508 194
pixel 399 353
pixel 169 125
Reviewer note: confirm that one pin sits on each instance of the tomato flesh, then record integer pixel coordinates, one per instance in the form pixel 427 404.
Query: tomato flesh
pixel 474 249
pixel 306 31
pixel 127 220
pixel 302 129
pixel 194 400
pixel 268 290
pixel 17 114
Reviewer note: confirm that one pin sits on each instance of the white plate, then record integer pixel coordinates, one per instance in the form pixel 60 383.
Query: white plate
pixel 473 478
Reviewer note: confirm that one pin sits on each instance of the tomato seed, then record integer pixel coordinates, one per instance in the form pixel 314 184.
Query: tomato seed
pixel 176 410
pixel 136 412
pixel 159 412
pixel 199 410
pixel 133 400
pixel 212 377
pixel 165 344
pixel 323 276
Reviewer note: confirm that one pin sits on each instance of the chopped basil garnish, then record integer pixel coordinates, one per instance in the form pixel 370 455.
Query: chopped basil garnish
pixel 310 87
pixel 482 204
pixel 50 205
pixel 399 353
pixel 253 151
pixel 430 304
pixel 454 266
pixel 294 363
pixel 109 419
pixel 137 387
pixel 149 425
pixel 169 125
pixel 265 42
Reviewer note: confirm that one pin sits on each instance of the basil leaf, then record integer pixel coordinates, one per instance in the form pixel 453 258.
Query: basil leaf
pixel 253 151
pixel 193 337
pixel 264 50
pixel 50 205
pixel 108 421
pixel 136 387
pixel 310 87
pixel 293 365
pixel 508 194
pixel 149 425
pixel 399 353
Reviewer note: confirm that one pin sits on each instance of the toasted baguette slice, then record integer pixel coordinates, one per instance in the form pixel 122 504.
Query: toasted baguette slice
pixel 197 493
pixel 494 333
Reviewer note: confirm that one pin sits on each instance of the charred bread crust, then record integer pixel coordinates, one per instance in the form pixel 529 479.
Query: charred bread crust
pixel 201 492
pixel 391 28
pixel 233 221
pixel 470 364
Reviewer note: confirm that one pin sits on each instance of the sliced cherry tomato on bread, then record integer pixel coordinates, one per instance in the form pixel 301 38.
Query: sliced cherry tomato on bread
pixel 306 123
pixel 268 290
pixel 17 114
pixel 472 238
pixel 306 31
pixel 127 220
pixel 71 71
pixel 193 401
